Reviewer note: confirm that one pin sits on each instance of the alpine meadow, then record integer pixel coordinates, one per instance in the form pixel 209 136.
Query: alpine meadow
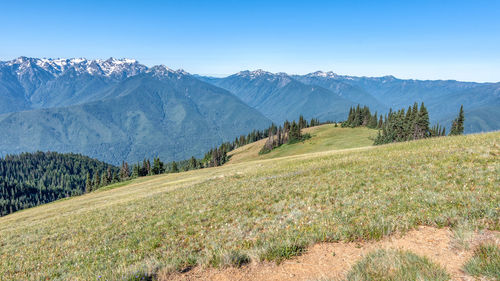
pixel 195 140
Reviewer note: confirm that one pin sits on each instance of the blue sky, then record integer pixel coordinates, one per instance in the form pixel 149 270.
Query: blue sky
pixel 409 39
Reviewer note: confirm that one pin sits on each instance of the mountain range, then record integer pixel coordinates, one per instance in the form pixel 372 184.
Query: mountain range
pixel 116 110
pixel 119 109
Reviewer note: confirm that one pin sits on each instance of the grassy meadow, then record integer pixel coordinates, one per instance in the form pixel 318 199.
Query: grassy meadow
pixel 267 209
pixel 323 138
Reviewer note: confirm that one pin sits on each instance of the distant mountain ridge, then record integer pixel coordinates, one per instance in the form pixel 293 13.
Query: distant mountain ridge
pixel 126 112
pixel 119 109
pixel 30 83
pixel 280 96
pixel 442 97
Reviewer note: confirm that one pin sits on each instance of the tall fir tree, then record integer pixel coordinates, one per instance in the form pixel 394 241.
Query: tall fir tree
pixel 457 127
pixel 174 168
pixel 88 184
pixel 97 181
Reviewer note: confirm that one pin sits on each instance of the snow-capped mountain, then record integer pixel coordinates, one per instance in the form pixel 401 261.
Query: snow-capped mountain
pixel 161 71
pixel 30 83
pixel 110 68
pixel 115 109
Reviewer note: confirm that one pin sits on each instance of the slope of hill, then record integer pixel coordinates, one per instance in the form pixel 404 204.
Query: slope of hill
pixel 280 97
pixel 260 210
pixel 162 113
pixel 323 138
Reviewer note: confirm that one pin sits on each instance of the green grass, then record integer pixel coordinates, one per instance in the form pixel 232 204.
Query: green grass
pixel 323 138
pixel 485 262
pixel 267 209
pixel 328 137
pixel 396 265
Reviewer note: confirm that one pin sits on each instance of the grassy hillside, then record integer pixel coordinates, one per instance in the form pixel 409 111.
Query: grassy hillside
pixel 323 138
pixel 268 209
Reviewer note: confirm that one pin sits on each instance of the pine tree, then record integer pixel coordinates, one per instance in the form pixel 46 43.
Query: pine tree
pixel 109 175
pixel 148 168
pixel 193 163
pixel 104 179
pixel 302 122
pixel 373 121
pixel 97 181
pixel 174 168
pixel 294 133
pixel 88 184
pixel 457 127
pixel 422 124
pixel 136 170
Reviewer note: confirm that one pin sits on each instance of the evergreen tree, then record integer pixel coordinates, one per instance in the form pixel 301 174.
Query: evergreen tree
pixel 97 181
pixel 157 166
pixel 136 170
pixel 104 179
pixel 373 121
pixel 88 184
pixel 302 122
pixel 422 123
pixel 109 176
pixel 294 132
pixel 457 127
pixel 193 164
pixel 174 168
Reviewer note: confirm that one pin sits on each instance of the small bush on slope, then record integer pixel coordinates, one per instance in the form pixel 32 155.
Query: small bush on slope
pixel 396 265
pixel 485 262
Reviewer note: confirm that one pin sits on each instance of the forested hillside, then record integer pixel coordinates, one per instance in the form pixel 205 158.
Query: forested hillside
pixel 32 179
pixel 162 113
pixel 280 97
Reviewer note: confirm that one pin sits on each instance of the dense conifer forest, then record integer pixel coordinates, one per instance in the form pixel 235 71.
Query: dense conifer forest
pixel 31 179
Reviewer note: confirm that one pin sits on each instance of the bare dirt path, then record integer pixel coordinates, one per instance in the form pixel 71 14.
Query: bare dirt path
pixel 331 261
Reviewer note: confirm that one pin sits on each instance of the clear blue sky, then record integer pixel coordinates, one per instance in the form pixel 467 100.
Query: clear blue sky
pixel 409 39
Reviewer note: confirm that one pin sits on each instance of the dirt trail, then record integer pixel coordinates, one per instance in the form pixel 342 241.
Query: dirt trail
pixel 320 262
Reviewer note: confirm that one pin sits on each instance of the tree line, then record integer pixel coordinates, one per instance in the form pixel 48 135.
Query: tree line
pixel 288 133
pixel 402 125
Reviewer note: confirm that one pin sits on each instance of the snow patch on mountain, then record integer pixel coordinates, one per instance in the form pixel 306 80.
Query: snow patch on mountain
pixel 110 68
pixel 161 71
pixel 282 78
